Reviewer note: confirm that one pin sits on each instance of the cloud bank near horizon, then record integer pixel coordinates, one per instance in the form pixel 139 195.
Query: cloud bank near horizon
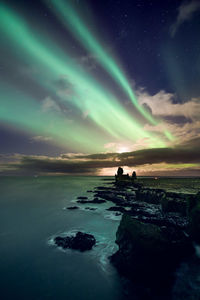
pixel 183 159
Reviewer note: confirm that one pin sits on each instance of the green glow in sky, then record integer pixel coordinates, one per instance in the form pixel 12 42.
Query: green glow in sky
pixel 72 20
pixel 110 121
pixel 27 114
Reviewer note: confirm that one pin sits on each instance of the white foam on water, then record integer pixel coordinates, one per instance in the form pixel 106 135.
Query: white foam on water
pixel 112 216
pixel 104 248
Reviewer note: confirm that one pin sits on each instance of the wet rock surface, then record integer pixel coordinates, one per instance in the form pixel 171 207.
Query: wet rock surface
pixel 81 241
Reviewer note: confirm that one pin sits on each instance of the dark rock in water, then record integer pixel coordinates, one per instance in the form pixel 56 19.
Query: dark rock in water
pixel 90 208
pixel 117 208
pixel 73 207
pixel 89 191
pixel 148 253
pixel 81 241
pixel 82 198
pixel 83 201
pixel 95 200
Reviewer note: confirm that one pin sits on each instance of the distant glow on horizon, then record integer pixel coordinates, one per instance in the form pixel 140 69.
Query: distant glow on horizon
pixel 113 170
pixel 123 149
pixel 151 170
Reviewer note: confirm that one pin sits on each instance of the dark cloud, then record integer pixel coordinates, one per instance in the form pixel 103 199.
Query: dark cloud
pixel 90 164
pixel 14 140
pixel 147 108
pixel 177 119
pixel 46 165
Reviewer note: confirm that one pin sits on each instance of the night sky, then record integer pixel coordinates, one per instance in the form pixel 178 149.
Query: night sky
pixel 87 86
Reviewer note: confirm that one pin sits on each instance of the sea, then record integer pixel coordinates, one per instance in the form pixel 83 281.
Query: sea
pixel 33 210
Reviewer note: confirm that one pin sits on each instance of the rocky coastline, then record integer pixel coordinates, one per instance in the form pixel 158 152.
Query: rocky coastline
pixel 157 232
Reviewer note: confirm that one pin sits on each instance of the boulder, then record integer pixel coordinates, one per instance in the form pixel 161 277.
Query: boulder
pixel 72 207
pixel 81 241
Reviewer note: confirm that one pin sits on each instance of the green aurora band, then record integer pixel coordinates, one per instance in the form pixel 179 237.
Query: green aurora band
pixel 26 113
pixel 68 16
pixel 87 95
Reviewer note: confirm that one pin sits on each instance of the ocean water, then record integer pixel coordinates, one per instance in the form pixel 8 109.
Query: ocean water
pixel 32 212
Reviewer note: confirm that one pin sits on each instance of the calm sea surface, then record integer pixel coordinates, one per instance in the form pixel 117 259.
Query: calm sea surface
pixel 32 212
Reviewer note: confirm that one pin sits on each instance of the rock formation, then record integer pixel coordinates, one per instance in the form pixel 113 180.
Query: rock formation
pixel 81 241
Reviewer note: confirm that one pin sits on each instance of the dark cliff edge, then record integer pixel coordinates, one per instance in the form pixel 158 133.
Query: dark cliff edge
pixel 154 238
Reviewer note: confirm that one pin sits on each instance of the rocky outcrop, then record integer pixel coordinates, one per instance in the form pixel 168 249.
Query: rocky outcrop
pixel 81 241
pixel 149 253
pixel 154 236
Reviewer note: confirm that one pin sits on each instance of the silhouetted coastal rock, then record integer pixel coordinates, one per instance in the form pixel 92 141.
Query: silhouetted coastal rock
pixel 82 198
pixel 123 180
pixel 81 241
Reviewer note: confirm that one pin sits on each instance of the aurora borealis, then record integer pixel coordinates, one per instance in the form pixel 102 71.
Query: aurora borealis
pixel 72 89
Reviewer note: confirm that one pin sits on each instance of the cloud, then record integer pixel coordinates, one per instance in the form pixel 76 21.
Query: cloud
pixel 179 159
pixel 185 13
pixel 163 104
pixel 88 62
pixel 40 138
pixel 182 120
pixel 49 104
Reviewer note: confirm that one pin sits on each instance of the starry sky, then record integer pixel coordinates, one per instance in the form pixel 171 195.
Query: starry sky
pixel 88 86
